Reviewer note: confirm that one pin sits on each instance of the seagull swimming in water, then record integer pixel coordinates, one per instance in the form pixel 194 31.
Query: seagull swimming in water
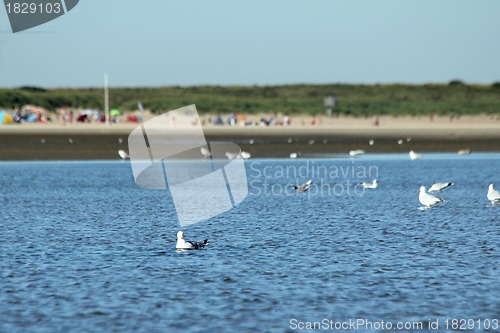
pixel 371 185
pixel 184 245
pixel 303 187
pixel 427 199
pixel 440 186
pixel 493 195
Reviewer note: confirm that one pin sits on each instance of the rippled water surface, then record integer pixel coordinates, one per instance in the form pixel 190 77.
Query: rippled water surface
pixel 82 249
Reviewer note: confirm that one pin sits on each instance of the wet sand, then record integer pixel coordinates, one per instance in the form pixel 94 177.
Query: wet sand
pixel 333 137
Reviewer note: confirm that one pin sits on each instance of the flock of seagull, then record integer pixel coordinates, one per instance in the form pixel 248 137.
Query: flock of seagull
pixel 426 199
pixel 429 200
pixel 413 155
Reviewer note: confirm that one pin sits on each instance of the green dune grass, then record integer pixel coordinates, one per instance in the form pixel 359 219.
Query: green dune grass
pixel 454 98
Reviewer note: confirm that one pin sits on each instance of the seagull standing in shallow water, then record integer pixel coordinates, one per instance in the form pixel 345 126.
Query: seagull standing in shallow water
pixel 372 185
pixel 427 199
pixel 440 186
pixel 123 154
pixel 357 152
pixel 205 152
pixel 493 195
pixel 184 245
pixel 414 156
pixel 303 187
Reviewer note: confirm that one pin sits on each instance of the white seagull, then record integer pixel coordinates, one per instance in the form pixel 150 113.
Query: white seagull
pixel 372 185
pixel 205 152
pixel 414 156
pixel 493 195
pixel 439 186
pixel 184 245
pixel 427 199
pixel 303 187
pixel 246 155
pixel 123 154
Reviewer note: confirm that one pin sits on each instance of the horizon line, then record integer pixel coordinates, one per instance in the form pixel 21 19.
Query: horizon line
pixel 430 83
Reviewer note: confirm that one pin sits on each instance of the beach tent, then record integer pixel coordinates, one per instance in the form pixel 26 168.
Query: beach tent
pixel 5 118
pixel 32 118
pixel 115 112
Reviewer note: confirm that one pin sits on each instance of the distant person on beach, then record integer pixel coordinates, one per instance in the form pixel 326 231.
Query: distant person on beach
pixel 63 117
pixel 132 119
pixel 17 116
pixel 286 120
pixel 232 120
pixel 82 118
pixel 218 120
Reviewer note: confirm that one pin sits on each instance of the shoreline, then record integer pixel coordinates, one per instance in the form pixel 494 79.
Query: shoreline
pixel 332 137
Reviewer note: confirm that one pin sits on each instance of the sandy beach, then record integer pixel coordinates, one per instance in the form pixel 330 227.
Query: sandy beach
pixel 328 137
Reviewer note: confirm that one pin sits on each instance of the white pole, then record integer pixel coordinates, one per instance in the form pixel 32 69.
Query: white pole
pixel 106 99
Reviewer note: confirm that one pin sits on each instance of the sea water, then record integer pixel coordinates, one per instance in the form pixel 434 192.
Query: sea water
pixel 83 249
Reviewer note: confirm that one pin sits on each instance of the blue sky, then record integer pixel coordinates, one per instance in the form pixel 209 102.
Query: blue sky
pixel 225 42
